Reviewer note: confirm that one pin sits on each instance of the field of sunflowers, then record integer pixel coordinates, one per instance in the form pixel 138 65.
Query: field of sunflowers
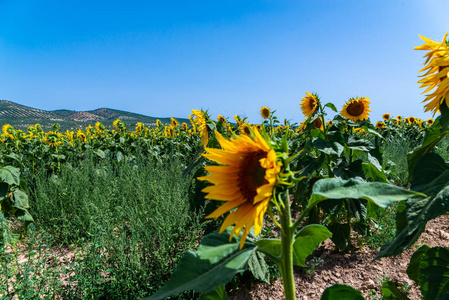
pixel 186 210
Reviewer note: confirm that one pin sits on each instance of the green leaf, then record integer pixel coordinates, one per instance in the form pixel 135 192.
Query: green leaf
pixel 341 292
pixel 380 193
pixel 331 106
pixel 218 293
pixel 306 241
pixel 391 292
pixel 10 175
pixel 258 267
pixel 434 274
pixel 413 267
pixel 270 247
pixel 433 135
pixel 374 170
pixel 100 153
pixel 426 173
pixel 328 147
pixel 20 200
pixel 419 211
pixel 4 189
pixel 340 234
pixel 214 263
pixel 361 145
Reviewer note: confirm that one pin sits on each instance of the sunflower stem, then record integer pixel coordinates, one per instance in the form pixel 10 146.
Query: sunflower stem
pixel 287 250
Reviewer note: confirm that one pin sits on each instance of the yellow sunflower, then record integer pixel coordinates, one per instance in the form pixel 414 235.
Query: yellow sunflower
pixel 380 125
pixel 221 118
pixel 53 139
pixel 430 122
pixel 330 123
pixel 437 60
pixel 309 104
pixel 199 119
pixel 265 112
pixel 399 118
pixel 174 123
pixel 386 117
pixel 317 123
pixel 412 120
pixel 8 131
pixel 243 128
pixel 356 109
pixel 245 179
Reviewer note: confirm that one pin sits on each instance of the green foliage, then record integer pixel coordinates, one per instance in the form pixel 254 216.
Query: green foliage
pixel 127 222
pixel 431 177
pixel 379 193
pixel 341 291
pixel 213 264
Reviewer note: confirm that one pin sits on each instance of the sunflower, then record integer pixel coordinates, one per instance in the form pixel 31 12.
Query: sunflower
pixel 53 139
pixel 380 125
pixel 265 112
pixel 243 128
pixel 99 127
pixel 245 179
pixel 139 127
pixel 199 119
pixel 430 122
pixel 421 125
pixel 309 104
pixel 386 117
pixel 436 76
pixel 399 118
pixel 330 123
pixel 412 120
pixel 116 124
pixel 317 123
pixel 8 131
pixel 221 118
pixel 174 123
pixel 81 136
pixel 356 109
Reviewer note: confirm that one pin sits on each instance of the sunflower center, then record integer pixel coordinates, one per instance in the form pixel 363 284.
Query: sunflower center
pixel 356 108
pixel 312 104
pixel 251 174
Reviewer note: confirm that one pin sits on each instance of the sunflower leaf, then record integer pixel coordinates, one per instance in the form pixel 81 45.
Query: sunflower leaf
pixel 433 135
pixel 306 241
pixel 215 263
pixel 431 177
pixel 341 291
pixel 331 106
pixel 381 194
pixel 433 273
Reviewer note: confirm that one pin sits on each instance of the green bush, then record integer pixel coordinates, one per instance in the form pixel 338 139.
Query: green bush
pixel 128 223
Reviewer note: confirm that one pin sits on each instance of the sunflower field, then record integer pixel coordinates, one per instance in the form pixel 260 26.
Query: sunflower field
pixel 187 210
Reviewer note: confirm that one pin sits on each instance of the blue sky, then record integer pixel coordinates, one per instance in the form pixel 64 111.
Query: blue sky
pixel 165 58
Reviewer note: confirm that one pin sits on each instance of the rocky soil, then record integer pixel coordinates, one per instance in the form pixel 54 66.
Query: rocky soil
pixel 354 268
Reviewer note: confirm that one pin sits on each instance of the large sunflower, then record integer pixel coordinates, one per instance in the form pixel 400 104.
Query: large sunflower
pixel 356 109
pixel 437 60
pixel 245 179
pixel 309 104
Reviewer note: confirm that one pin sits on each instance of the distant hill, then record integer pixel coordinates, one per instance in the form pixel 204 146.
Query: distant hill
pixel 21 117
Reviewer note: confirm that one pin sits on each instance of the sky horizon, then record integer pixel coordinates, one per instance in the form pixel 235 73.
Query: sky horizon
pixel 165 58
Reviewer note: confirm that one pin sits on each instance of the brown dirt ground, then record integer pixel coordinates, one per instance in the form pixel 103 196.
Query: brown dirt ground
pixel 353 268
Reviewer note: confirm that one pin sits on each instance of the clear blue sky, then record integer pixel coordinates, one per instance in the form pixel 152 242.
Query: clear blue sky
pixel 164 58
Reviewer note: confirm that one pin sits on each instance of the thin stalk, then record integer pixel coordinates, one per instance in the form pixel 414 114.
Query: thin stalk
pixel 287 251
